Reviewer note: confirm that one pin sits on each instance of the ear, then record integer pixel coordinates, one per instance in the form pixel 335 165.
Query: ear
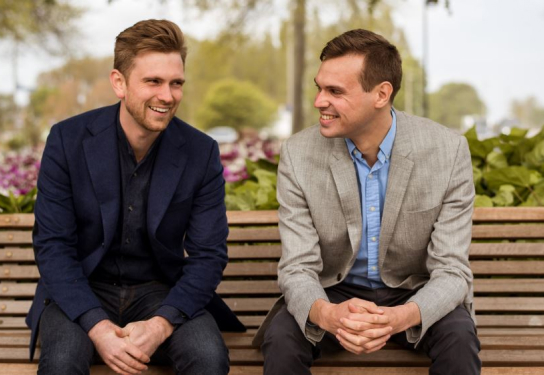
pixel 118 83
pixel 383 94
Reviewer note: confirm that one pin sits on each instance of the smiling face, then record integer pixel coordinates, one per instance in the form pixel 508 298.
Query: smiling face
pixel 346 110
pixel 152 92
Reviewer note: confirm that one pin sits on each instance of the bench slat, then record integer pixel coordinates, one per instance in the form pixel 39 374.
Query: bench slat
pixel 509 250
pixel 11 238
pixel 254 252
pixel 511 232
pixel 508 214
pixel 16 254
pixel 490 267
pixel 17 289
pixel 254 235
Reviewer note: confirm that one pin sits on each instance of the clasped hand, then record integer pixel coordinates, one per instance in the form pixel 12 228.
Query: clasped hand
pixel 127 350
pixel 361 326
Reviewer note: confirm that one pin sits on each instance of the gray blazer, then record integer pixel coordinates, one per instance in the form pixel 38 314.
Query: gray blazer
pixel 426 223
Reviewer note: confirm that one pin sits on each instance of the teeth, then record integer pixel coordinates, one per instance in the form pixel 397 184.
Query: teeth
pixel 327 117
pixel 161 110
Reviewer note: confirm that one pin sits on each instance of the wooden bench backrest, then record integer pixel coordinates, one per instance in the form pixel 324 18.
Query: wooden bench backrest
pixel 507 258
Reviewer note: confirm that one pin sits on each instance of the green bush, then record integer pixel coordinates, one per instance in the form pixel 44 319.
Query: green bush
pixel 508 169
pixel 238 104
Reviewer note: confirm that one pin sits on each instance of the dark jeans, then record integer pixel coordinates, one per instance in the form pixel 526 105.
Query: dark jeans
pixel 451 343
pixel 195 347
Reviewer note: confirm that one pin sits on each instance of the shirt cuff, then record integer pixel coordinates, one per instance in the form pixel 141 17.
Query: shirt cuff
pixel 90 318
pixel 173 315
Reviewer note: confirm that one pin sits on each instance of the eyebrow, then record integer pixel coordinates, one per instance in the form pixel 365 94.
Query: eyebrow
pixel 329 87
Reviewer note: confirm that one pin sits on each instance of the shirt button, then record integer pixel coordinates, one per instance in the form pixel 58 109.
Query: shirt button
pixel 135 174
pixel 373 239
pixel 127 241
pixel 370 176
pixel 372 208
pixel 373 268
pixel 130 208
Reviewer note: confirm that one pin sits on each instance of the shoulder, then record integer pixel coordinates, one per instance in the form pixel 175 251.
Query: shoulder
pixel 308 141
pixel 427 134
pixel 189 135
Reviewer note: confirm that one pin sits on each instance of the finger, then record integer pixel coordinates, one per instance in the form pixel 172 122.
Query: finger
pixel 116 368
pixel 354 339
pixel 362 306
pixel 349 346
pixel 128 364
pixel 375 345
pixel 369 318
pixel 121 332
pixel 376 348
pixel 137 353
pixel 355 326
pixel 376 332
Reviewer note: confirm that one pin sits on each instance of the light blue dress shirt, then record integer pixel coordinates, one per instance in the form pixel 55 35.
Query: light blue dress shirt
pixel 372 188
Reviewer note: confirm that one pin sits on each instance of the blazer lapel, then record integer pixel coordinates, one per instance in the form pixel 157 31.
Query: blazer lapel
pixel 168 168
pixel 399 176
pixel 345 178
pixel 102 159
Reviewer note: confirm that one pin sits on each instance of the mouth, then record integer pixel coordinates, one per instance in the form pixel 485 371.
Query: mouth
pixel 328 117
pixel 159 109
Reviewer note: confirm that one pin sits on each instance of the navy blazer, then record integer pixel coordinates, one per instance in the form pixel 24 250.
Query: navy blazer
pixel 77 209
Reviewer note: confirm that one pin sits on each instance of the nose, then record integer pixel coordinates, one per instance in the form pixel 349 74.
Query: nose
pixel 321 100
pixel 165 94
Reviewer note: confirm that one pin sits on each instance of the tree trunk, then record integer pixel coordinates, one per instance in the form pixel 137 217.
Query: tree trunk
pixel 299 23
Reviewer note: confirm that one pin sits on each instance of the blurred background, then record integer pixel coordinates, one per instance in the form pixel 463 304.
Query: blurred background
pixel 467 65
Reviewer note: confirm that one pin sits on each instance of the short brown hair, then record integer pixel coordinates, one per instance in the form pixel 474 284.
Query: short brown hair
pixel 382 59
pixel 147 36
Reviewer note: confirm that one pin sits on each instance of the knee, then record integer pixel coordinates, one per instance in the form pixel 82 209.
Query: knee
pixel 209 357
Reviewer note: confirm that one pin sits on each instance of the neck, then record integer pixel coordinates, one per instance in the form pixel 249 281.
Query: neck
pixel 368 141
pixel 139 138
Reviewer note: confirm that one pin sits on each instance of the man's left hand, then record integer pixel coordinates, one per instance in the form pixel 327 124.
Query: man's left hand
pixel 402 317
pixel 148 335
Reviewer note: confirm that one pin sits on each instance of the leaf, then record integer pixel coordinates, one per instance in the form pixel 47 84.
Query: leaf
pixel 496 160
pixel 514 175
pixel 505 196
pixel 535 158
pixel 482 201
pixel 536 198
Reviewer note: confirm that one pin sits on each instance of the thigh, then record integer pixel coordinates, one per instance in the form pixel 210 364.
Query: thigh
pixel 65 346
pixel 195 346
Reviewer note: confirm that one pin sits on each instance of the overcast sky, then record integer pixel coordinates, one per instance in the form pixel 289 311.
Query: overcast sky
pixel 494 45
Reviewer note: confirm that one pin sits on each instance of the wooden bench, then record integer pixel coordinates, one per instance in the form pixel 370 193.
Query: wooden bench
pixel 507 258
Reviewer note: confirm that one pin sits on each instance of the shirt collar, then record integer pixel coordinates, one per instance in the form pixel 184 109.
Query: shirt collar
pixel 387 144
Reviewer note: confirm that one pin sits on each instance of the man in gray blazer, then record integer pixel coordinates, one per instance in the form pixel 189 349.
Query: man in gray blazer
pixel 375 222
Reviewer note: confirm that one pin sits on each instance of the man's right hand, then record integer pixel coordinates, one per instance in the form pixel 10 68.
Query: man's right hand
pixel 360 326
pixel 118 352
pixel 331 316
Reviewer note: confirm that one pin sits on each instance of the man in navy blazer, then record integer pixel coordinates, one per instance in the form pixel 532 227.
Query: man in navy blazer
pixel 123 191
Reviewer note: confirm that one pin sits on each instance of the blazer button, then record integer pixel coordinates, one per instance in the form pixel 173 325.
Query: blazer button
pixel 46 301
pixel 339 277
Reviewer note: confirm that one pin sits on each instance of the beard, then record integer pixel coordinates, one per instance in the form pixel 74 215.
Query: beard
pixel 139 112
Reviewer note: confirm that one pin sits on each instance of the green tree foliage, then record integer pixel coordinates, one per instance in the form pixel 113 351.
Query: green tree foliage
pixel 45 23
pixel 508 170
pixel 452 101
pixel 238 104
pixel 8 108
pixel 528 111
pixel 76 87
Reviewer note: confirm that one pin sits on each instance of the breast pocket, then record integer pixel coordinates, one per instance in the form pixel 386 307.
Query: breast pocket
pixel 416 227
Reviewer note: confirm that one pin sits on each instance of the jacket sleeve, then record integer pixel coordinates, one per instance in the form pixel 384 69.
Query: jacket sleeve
pixel 205 243
pixel 55 233
pixel 301 262
pixel 447 260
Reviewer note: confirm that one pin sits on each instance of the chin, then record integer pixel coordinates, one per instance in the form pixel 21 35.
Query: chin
pixel 327 133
